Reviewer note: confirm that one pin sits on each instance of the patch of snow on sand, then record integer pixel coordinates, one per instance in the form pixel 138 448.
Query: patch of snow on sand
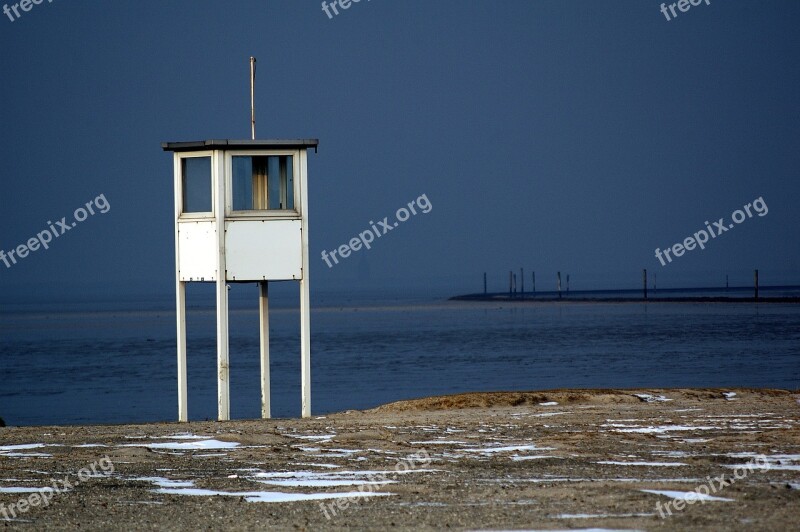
pixel 335 478
pixel 309 479
pixel 322 438
pixel 549 403
pixel 688 495
pixel 719 416
pixel 14 489
pixel 267 496
pixel 307 449
pixel 21 447
pixel 672 454
pixel 509 448
pixel 180 487
pixel 162 482
pixel 11 450
pixel 648 464
pixel 729 396
pixel 274 496
pixel 647 398
pixel 181 436
pixel 656 430
pixel 203 445
pixel 438 442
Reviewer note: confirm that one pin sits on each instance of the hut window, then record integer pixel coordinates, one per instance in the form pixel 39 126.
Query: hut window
pixel 196 184
pixel 263 183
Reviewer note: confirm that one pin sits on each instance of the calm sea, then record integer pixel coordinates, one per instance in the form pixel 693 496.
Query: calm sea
pixel 115 363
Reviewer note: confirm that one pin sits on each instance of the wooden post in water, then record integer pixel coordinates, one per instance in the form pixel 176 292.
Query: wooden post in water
pixel 558 285
pixel 522 284
pixel 534 284
pixel 515 284
pixel 484 283
pixel 755 275
pixel 644 282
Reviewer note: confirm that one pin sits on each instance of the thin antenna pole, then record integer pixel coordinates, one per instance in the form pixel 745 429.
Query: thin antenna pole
pixel 253 97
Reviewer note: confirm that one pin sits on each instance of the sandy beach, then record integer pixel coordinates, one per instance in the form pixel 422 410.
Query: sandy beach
pixel 549 460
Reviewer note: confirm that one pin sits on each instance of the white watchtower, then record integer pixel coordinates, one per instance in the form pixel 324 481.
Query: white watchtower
pixel 241 215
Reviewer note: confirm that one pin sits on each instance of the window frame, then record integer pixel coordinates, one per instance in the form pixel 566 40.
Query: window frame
pixel 292 214
pixel 202 215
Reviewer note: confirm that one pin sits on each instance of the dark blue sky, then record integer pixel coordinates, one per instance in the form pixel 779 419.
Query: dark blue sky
pixel 562 135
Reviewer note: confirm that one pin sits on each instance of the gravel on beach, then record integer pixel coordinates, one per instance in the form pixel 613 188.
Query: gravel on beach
pixel 654 459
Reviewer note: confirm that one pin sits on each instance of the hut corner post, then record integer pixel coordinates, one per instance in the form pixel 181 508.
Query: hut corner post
pixel 263 312
pixel 305 297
